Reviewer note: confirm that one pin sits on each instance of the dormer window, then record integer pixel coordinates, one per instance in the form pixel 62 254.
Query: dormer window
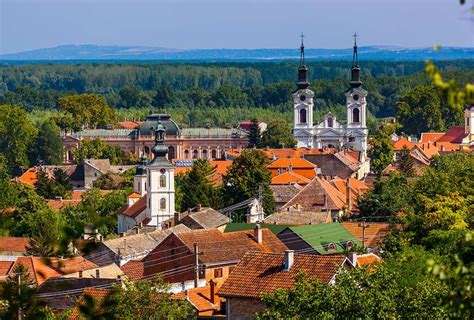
pixel 330 122
pixel 331 247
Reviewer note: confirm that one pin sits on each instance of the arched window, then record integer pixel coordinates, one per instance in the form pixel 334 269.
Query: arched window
pixel 204 154
pixel 147 150
pixel 355 115
pixel 214 154
pixel 171 154
pixel 222 154
pixel 163 181
pixel 330 123
pixel 303 116
pixel 195 154
pixel 186 154
pixel 162 203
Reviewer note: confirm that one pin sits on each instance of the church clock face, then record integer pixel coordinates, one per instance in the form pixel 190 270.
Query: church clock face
pixel 162 171
pixel 302 97
pixel 356 97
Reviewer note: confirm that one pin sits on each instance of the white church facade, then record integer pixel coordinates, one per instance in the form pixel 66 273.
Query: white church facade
pixel 330 133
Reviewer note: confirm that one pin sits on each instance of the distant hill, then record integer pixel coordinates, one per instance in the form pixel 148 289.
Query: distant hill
pixel 96 52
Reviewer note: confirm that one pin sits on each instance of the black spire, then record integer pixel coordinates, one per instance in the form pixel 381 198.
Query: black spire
pixel 159 150
pixel 302 69
pixel 355 70
pixel 141 169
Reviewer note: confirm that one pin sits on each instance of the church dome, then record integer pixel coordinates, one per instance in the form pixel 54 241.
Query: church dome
pixel 149 126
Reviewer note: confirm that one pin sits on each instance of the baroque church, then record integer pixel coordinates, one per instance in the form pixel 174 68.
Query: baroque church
pixel 330 133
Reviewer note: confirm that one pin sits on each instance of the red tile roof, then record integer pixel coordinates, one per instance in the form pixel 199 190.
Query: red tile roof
pixel 454 135
pixel 97 294
pixel 290 178
pixel 430 136
pixel 367 259
pixel 401 143
pixel 135 209
pixel 285 153
pixel 9 245
pixel 259 273
pixel 134 269
pixel 200 298
pixel 39 272
pixel 72 265
pixel 5 267
pixel 129 124
pixel 375 233
pixel 295 163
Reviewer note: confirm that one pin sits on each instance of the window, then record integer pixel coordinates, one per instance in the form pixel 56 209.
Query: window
pixel 171 154
pixel 163 181
pixel 230 269
pixel 162 203
pixel 147 150
pixel 222 154
pixel 303 116
pixel 330 123
pixel 97 273
pixel 204 154
pixel 214 154
pixel 195 154
pixel 355 115
pixel 218 273
pixel 351 139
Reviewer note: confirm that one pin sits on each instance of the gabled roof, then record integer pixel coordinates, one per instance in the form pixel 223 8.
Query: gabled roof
pixel 357 188
pixel 317 194
pixel 220 247
pixel 454 135
pixel 135 209
pixel 299 217
pixel 5 267
pixel 294 162
pixel 13 245
pixel 284 192
pixel 259 273
pixel 200 298
pixel 429 150
pixel 38 271
pixel 134 269
pixel 206 218
pixel 430 136
pixel 367 259
pixel 375 233
pixel 103 165
pixel 98 294
pixel 290 177
pixel 319 236
pixel 241 226
pixel 401 143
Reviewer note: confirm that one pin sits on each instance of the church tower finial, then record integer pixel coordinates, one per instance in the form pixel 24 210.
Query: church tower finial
pixel 355 71
pixel 302 69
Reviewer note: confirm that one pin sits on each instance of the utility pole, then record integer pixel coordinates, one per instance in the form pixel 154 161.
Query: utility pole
pixel 20 311
pixel 363 225
pixel 196 271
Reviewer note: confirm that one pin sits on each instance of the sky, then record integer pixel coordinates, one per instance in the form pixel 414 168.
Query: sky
pixel 243 24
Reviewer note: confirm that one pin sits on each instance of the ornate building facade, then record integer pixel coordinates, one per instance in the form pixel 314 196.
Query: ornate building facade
pixel 183 143
pixel 330 133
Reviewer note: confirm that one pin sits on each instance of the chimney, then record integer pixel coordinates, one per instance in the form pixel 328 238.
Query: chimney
pixel 177 217
pixel 137 231
pixel 212 286
pixel 289 259
pixel 348 195
pixel 199 207
pixel 353 258
pixel 257 234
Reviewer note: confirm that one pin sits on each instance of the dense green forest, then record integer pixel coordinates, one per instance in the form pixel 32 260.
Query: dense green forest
pixel 215 93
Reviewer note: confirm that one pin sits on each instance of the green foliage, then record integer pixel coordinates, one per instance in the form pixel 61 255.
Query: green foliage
pixel 197 187
pixel 400 288
pixel 248 177
pixel 52 187
pixel 87 110
pixel 381 151
pixel 115 181
pixel 48 146
pixel 406 164
pixel 278 135
pixel 255 134
pixel 99 149
pixel 17 135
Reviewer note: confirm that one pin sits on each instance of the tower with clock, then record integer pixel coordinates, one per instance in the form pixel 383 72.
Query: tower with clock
pixel 160 185
pixel 330 133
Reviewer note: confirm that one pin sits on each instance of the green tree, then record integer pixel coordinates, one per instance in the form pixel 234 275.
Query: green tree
pixel 406 164
pixel 248 177
pixel 52 187
pixel 381 151
pixel 99 149
pixel 17 134
pixel 197 187
pixel 278 135
pixel 421 110
pixel 17 296
pixel 255 135
pixel 88 110
pixel 48 145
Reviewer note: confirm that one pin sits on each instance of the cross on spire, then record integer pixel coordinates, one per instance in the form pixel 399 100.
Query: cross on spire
pixel 302 50
pixel 355 38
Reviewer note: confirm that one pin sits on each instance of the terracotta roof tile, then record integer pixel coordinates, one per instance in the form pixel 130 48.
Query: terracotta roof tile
pixel 72 265
pixel 429 150
pixel 284 193
pixel 134 195
pixel 290 178
pixel 135 209
pixel 375 233
pixel 401 143
pixel 134 269
pixel 291 162
pixel 13 245
pixel 5 267
pixel 259 273
pixel 299 217
pixel 430 136
pixel 39 272
pixel 99 296
pixel 454 135
pixel 129 124
pixel 200 299
pixel 367 259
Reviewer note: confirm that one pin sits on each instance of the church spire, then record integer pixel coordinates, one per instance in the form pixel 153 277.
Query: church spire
pixel 159 150
pixel 302 69
pixel 355 70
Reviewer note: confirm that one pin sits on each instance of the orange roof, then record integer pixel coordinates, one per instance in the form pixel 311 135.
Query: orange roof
pixel 429 150
pixel 357 187
pixel 129 124
pixel 403 142
pixel 14 244
pixel 39 272
pixel 295 163
pixel 135 209
pixel 28 177
pixel 260 272
pixel 454 135
pixel 221 167
pixel 290 178
pixel 5 267
pixel 375 233
pixel 200 298
pixel 284 153
pixel 72 265
pixel 430 136
pixel 134 269
pixel 367 259
pixel 97 294
pixel 446 146
pixel 58 204
pixel 134 195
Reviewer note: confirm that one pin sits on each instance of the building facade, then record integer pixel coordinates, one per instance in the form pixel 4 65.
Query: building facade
pixel 330 133
pixel 183 143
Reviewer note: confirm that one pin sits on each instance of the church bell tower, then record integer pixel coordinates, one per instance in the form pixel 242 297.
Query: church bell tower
pixel 303 105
